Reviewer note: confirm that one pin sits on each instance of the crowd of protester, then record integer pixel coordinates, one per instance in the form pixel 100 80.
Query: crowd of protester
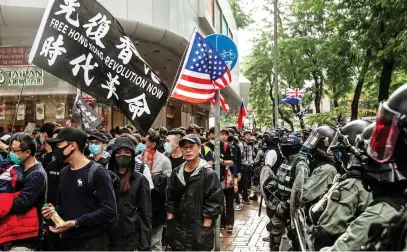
pixel 122 190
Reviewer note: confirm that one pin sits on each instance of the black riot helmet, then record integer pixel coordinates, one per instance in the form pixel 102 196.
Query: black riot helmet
pixel 319 141
pixel 362 142
pixel 270 140
pixel 354 128
pixel 388 144
pixel 351 131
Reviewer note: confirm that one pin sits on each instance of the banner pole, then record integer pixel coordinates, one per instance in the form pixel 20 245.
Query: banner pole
pixel 18 104
pixel 176 76
pixel 217 154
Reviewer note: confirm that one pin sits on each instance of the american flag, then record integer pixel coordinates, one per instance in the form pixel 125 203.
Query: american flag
pixel 203 73
pixel 297 93
pixel 223 104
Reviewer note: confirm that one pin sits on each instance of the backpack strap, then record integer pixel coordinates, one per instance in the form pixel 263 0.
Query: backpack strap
pixel 93 168
pixel 392 202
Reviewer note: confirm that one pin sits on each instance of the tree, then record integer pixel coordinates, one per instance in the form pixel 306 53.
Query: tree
pixel 242 16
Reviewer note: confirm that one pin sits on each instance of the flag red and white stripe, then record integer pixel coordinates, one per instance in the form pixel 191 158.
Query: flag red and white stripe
pixel 223 104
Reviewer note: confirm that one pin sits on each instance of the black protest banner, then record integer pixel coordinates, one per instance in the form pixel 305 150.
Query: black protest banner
pixel 90 119
pixel 80 42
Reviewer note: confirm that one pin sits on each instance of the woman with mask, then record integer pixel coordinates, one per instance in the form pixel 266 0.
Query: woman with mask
pixel 97 145
pixel 132 231
pixel 172 149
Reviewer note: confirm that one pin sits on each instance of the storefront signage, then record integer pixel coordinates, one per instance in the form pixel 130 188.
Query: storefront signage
pixel 27 76
pixel 14 55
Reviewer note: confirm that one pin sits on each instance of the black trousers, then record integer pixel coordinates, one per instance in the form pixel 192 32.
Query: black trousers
pixel 228 213
pixel 246 181
pixel 98 243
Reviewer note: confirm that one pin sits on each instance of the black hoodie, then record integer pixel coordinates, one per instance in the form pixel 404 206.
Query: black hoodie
pixel 133 228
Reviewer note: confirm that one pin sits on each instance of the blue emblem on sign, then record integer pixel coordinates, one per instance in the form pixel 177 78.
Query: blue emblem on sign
pixel 226 48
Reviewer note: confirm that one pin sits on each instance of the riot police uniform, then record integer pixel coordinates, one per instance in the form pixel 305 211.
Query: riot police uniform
pixel 280 211
pixel 324 165
pixel 348 199
pixel 384 173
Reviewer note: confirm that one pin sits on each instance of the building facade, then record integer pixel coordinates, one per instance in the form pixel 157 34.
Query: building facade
pixel 160 30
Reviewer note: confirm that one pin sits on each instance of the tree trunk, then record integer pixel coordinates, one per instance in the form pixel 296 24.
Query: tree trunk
pixel 317 99
pixel 359 85
pixel 385 78
pixel 336 104
pixel 301 117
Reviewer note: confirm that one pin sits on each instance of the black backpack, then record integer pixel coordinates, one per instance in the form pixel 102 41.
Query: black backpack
pixel 94 167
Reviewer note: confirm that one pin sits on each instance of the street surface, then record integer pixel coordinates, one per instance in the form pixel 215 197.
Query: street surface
pixel 249 231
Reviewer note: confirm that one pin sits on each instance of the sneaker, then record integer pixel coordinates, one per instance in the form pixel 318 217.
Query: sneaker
pixel 266 239
pixel 246 201
pixel 237 208
pixel 254 198
pixel 230 229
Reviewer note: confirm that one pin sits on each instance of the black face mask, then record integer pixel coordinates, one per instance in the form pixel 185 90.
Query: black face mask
pixel 123 161
pixel 59 154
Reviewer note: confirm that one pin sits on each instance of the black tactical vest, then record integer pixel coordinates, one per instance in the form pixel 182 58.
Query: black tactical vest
pixel 286 172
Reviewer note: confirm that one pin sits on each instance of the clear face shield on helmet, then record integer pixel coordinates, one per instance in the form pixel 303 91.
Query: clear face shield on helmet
pixel 312 140
pixel 385 134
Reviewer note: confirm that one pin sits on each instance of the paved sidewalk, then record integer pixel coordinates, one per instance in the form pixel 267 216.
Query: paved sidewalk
pixel 249 230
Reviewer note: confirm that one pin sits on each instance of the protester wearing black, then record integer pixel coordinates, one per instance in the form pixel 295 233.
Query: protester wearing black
pixel 86 210
pixel 132 231
pixel 194 201
pixel 45 156
pixel 226 160
pixel 34 187
pixel 97 144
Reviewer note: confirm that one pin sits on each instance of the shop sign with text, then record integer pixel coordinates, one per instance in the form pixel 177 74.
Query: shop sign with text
pixel 27 76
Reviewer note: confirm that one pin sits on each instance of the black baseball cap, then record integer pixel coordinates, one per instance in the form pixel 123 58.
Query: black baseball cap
pixel 70 134
pixel 190 138
pixel 98 136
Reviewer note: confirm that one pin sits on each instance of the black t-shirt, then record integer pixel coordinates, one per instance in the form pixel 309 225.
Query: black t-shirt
pixel 77 201
pixel 175 162
pixel 187 175
pixel 225 154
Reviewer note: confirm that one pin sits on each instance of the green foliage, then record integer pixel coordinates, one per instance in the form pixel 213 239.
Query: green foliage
pixel 242 17
pixel 328 118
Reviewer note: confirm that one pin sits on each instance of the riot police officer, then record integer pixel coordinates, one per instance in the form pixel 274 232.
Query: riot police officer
pixel 324 164
pixel 281 186
pixel 349 198
pixel 384 173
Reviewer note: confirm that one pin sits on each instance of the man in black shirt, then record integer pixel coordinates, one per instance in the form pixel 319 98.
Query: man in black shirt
pixel 45 156
pixel 34 187
pixel 172 149
pixel 86 210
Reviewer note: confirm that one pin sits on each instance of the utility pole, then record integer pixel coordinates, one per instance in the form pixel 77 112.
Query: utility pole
pixel 276 99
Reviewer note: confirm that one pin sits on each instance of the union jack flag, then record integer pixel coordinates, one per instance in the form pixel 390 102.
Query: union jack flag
pixel 296 93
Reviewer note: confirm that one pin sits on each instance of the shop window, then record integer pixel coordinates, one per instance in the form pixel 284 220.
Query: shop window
pixel 218 18
pixel 225 26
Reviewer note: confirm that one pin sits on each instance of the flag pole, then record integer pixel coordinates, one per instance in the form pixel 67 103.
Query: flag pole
pixel 176 76
pixel 217 154
pixel 276 101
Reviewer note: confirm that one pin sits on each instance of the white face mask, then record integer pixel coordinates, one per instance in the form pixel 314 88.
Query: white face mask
pixel 212 142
